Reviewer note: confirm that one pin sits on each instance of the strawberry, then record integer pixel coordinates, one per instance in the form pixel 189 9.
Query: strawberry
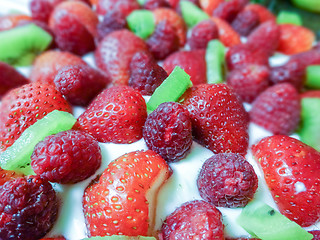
pixel 291 170
pixel 209 5
pixel 116 115
pixel 114 52
pixel 227 35
pixel 7 175
pixel 193 62
pixel 218 118
pixel 41 9
pixel 228 10
pixel 124 6
pixel 264 14
pixel 23 106
pixel 122 201
pixel 47 65
pixel 295 39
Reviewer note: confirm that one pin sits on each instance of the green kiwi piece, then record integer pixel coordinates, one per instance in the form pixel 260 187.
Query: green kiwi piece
pixel 215 60
pixel 313 76
pixel 17 156
pixel 141 2
pixel 142 23
pixel 20 45
pixel 118 237
pixel 170 89
pixel 192 14
pixel 310 5
pixel 285 17
pixel 262 221
pixel 309 130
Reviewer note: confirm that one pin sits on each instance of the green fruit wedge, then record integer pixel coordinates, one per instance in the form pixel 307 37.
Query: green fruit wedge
pixel 17 156
pixel 262 221
pixel 141 23
pixel 20 45
pixel 285 17
pixel 310 5
pixel 215 60
pixel 191 14
pixel 118 237
pixel 313 76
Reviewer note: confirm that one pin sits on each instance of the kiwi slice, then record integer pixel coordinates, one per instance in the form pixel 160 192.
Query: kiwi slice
pixel 313 76
pixel 285 17
pixel 141 2
pixel 142 23
pixel 19 46
pixel 262 221
pixel 118 237
pixel 310 5
pixel 192 14
pixel 170 89
pixel 309 130
pixel 215 60
pixel 17 156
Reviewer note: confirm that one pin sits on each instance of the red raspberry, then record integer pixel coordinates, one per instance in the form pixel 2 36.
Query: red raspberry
pixel 277 109
pixel 193 220
pixel 316 234
pixel 28 208
pixel 67 157
pixel 245 22
pixel 124 6
pixel 146 74
pixel 163 41
pixel 227 180
pixel 168 131
pixel 228 10
pixel 202 33
pixel 80 83
pixel 154 4
pixel 249 81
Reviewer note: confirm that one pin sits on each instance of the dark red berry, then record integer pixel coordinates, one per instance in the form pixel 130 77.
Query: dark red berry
pixel 41 9
pixel 66 157
pixel 228 10
pixel 249 81
pixel 202 33
pixel 227 180
pixel 80 83
pixel 113 20
pixel 168 131
pixel 28 208
pixel 163 41
pixel 154 4
pixel 193 220
pixel 245 22
pixel 124 6
pixel 277 109
pixel 316 234
pixel 146 74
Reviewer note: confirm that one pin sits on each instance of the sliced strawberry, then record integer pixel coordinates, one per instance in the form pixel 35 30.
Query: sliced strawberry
pixel 264 14
pixel 47 65
pixel 219 120
pixel 114 52
pixel 23 106
pixel 174 19
pixel 227 35
pixel 209 5
pixel 291 170
pixel 11 21
pixel 6 175
pixel 116 115
pixel 192 62
pixel 295 39
pixel 122 201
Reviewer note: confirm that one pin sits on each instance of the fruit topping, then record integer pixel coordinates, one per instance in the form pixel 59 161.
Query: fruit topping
pixel 12 20
pixel 227 180
pixel 193 220
pixel 227 35
pixel 215 59
pixel 141 22
pixel 287 17
pixel 120 237
pixel 146 74
pixel 7 175
pixel 28 208
pixel 245 22
pixel 116 115
pixel 202 33
pixel 124 6
pixel 191 14
pixel 313 76
pixel 219 120
pixel 168 131
pixel 228 10
pixel 154 4
pixel 291 170
pixel 41 9
pixel 263 12
pixel 209 5
pixel 122 201
pixel 277 109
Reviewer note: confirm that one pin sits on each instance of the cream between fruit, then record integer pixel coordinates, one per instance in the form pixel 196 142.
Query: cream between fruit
pixel 180 188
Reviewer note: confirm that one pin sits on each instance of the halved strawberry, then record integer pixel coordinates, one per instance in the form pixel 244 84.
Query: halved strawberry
pixel 227 35
pixel 291 170
pixel 295 39
pixel 122 201
pixel 23 106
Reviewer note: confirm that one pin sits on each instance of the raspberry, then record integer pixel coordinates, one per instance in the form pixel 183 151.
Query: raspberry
pixel 168 131
pixel 316 234
pixel 228 10
pixel 245 22
pixel 67 157
pixel 80 83
pixel 277 109
pixel 249 81
pixel 28 208
pixel 112 21
pixel 193 220
pixel 154 4
pixel 202 33
pixel 227 180
pixel 163 41
pixel 146 74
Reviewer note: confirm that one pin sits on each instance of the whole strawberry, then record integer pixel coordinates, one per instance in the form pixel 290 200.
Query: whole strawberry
pixel 219 120
pixel 116 115
pixel 122 201
pixel 291 170
pixel 23 106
